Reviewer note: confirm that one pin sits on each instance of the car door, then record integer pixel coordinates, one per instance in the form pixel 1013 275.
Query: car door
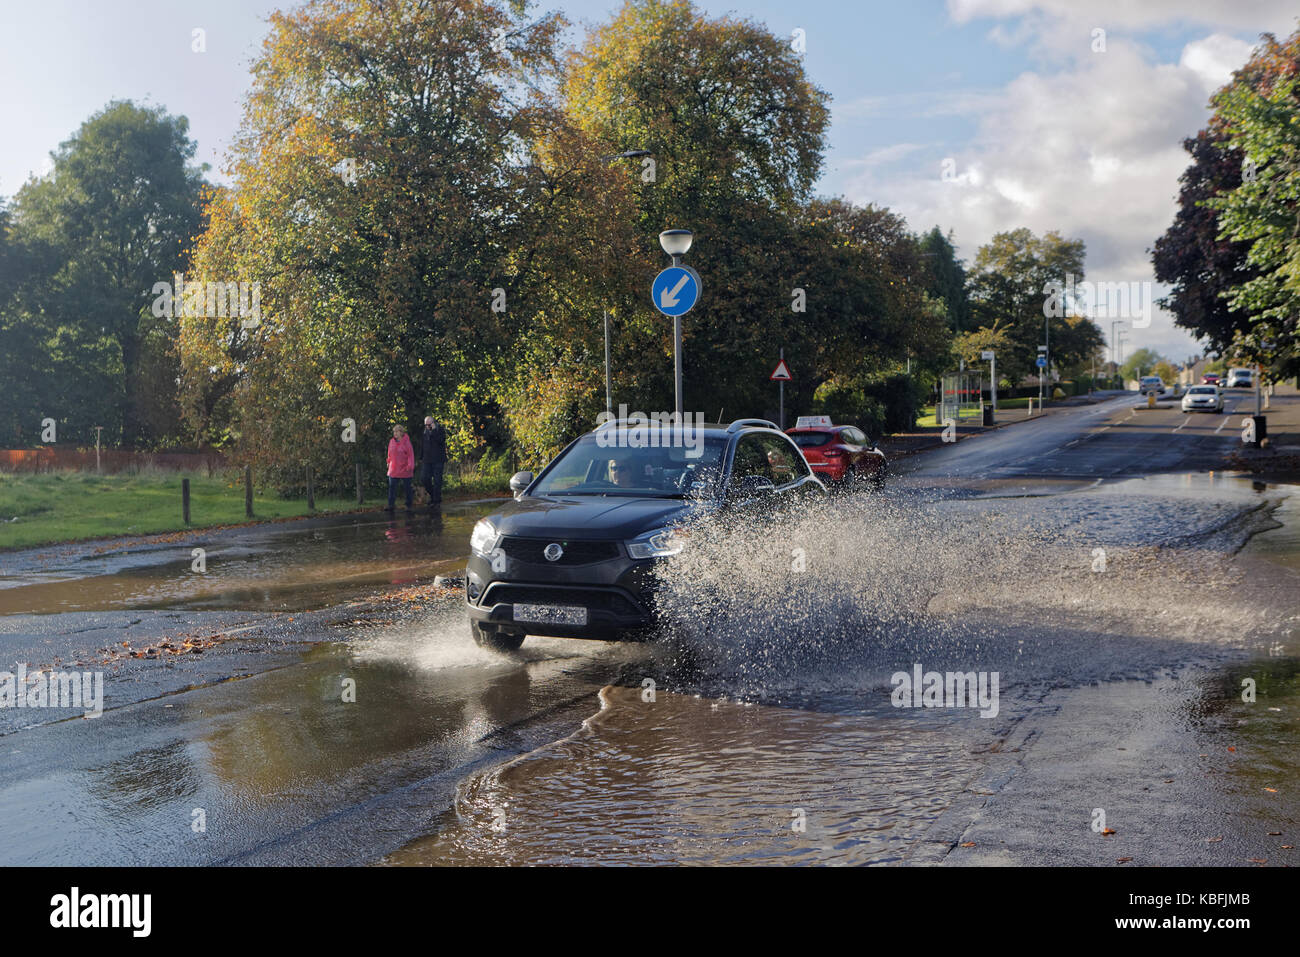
pixel 855 444
pixel 790 473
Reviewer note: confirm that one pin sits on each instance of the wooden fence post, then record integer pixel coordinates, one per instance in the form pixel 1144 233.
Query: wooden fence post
pixel 311 495
pixel 358 483
pixel 185 500
pixel 248 491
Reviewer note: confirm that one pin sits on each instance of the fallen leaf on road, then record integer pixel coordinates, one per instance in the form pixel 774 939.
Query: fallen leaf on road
pixel 1107 831
pixel 1213 840
pixel 1122 860
pixel 1258 860
pixel 969 844
pixel 1271 790
pixel 1274 833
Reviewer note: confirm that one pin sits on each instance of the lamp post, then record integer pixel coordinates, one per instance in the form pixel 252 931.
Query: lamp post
pixel 1114 339
pixel 676 243
pixel 609 392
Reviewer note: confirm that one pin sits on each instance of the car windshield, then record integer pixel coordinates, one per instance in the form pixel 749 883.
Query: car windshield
pixel 810 440
pixel 1201 390
pixel 618 462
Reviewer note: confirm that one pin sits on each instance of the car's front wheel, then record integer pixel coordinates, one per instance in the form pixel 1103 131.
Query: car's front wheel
pixel 495 638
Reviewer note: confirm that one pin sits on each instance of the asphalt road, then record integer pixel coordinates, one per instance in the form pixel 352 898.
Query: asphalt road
pixel 1116 438
pixel 1121 689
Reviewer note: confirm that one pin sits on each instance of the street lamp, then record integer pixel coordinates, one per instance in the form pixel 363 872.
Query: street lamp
pixel 676 243
pixel 1114 339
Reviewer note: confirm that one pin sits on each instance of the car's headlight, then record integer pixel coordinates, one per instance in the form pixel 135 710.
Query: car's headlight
pixel 483 538
pixel 658 544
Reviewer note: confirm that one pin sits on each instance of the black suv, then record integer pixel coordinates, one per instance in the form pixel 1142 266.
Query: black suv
pixel 573 555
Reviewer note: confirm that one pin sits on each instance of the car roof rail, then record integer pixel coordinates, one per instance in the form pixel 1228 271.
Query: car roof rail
pixel 757 423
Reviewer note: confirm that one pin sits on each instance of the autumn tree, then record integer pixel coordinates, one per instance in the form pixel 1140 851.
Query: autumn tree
pixel 1259 114
pixel 736 132
pixel 384 198
pixel 1193 257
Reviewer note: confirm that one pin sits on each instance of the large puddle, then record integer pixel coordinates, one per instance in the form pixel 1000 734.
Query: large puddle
pixel 770 735
pixel 685 779
pixel 293 566
pixel 765 732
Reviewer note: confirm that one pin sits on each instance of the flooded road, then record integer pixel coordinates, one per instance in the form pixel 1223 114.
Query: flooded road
pixel 291 566
pixel 327 722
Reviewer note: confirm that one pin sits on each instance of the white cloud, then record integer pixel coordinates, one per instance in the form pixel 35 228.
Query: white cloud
pixel 1091 149
pixel 1214 58
pixel 1250 15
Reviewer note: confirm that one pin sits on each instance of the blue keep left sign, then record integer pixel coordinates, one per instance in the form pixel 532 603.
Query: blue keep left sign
pixel 676 290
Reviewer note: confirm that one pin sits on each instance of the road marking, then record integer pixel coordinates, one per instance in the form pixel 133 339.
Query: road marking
pixel 1226 420
pixel 1186 419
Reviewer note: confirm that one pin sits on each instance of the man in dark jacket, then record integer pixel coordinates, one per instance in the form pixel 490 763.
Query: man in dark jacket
pixel 433 456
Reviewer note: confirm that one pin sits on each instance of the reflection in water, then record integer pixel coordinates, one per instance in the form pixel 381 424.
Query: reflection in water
pixel 685 779
pixel 288 567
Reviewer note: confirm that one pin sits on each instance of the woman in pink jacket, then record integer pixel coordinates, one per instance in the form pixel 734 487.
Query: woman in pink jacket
pixel 401 465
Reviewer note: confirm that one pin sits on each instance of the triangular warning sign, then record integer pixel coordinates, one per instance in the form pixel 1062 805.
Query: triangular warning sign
pixel 781 373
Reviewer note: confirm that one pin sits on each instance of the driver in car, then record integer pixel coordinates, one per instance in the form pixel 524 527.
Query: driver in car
pixel 621 474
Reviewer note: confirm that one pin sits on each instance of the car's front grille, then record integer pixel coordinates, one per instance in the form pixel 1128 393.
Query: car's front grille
pixel 596 598
pixel 575 552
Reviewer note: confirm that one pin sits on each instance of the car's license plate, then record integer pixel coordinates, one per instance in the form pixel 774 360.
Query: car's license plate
pixel 552 614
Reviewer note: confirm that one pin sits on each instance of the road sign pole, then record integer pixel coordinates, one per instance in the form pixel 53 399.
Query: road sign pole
pixel 677 363
pixel 782 390
pixel 674 292
pixel 609 401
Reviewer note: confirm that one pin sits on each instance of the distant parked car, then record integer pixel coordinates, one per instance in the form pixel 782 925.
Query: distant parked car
pixel 1203 398
pixel 1241 378
pixel 840 455
pixel 1151 383
pixel 1210 378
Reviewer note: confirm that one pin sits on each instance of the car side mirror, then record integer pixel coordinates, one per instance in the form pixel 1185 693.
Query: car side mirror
pixel 520 481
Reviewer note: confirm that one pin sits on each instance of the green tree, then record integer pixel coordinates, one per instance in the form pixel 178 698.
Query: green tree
pixel 387 199
pixel 1201 266
pixel 114 217
pixel 736 132
pixel 1009 289
pixel 970 346
pixel 945 278
pixel 1259 112
pixel 1140 363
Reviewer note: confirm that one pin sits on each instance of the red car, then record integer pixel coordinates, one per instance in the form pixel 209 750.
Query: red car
pixel 1210 378
pixel 840 455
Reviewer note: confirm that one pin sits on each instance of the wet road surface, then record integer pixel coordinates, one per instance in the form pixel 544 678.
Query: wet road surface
pixel 768 735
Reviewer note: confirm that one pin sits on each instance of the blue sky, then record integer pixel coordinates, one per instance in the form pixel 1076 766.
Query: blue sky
pixel 1040 128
